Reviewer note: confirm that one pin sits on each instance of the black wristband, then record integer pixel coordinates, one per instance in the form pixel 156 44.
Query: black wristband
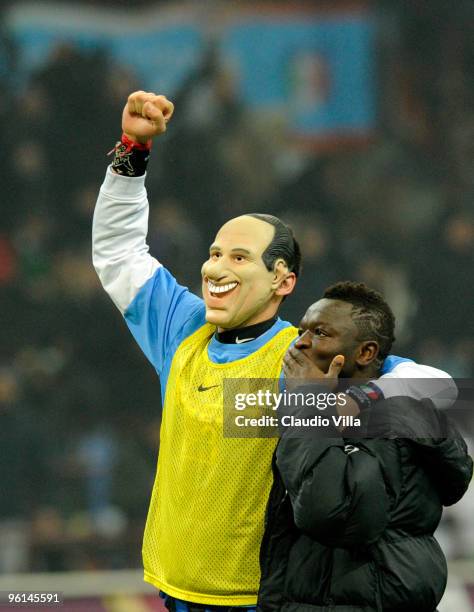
pixel 364 395
pixel 131 158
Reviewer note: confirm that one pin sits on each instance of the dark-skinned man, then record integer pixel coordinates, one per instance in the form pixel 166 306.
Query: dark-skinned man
pixel 350 520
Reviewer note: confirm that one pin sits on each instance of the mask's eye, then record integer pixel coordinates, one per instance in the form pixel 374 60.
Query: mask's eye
pixel 239 258
pixel 215 255
pixel 301 331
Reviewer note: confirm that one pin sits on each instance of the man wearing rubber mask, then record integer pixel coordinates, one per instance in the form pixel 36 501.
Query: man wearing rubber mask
pixel 206 514
pixel 253 262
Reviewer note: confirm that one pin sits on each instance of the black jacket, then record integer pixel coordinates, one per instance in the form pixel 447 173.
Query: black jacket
pixel 350 522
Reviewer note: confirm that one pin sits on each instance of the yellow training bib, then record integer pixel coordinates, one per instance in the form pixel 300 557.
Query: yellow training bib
pixel 206 516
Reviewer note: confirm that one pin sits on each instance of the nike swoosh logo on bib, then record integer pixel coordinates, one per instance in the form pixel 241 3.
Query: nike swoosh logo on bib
pixel 201 388
pixel 237 341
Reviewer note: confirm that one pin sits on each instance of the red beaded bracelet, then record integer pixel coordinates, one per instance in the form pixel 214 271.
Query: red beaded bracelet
pixel 131 144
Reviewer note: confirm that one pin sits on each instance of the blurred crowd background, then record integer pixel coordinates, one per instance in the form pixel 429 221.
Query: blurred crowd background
pixel 79 405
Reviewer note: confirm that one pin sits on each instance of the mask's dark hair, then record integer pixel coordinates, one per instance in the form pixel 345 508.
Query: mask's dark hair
pixel 283 245
pixel 371 313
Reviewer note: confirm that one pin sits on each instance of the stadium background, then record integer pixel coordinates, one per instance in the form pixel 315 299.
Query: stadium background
pixel 353 121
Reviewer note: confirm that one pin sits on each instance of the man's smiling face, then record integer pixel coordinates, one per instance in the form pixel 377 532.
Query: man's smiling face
pixel 238 289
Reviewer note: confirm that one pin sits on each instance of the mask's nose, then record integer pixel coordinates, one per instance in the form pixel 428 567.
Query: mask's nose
pixel 305 340
pixel 214 270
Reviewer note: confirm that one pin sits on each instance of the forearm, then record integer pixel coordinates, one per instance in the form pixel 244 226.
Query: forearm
pixel 120 252
pixel 418 381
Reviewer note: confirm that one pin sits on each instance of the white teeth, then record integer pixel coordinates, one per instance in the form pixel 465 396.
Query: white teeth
pixel 220 288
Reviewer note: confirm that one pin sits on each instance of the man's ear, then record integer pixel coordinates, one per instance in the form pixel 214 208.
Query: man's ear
pixel 367 352
pixel 283 281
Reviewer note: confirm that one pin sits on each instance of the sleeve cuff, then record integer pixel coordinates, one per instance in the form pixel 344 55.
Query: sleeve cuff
pixel 121 187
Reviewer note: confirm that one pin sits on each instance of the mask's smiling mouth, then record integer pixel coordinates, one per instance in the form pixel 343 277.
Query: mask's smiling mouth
pixel 220 290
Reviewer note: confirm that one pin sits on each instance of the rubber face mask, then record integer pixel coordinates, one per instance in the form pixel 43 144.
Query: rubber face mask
pixel 236 285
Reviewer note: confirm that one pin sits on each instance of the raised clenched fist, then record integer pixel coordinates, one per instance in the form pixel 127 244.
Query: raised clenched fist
pixel 145 115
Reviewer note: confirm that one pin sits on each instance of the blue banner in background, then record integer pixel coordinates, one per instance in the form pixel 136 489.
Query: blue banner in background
pixel 317 71
pixel 320 71
pixel 160 56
